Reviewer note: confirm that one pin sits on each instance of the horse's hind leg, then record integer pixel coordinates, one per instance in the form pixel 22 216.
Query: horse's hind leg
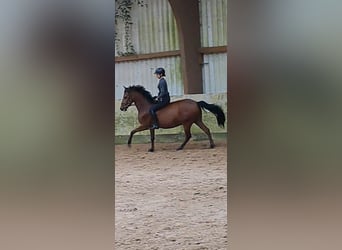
pixel 187 128
pixel 207 131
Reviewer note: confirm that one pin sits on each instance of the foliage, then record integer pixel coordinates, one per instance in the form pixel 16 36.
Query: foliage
pixel 123 13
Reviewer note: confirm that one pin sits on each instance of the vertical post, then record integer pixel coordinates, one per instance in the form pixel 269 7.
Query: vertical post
pixel 186 13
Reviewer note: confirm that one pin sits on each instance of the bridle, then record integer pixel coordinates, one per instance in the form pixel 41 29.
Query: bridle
pixel 126 103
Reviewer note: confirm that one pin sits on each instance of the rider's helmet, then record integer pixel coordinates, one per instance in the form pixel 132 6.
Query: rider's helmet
pixel 160 71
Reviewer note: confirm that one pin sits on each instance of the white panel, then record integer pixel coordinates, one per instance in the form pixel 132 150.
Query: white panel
pixel 141 72
pixel 215 73
pixel 154 28
pixel 213 18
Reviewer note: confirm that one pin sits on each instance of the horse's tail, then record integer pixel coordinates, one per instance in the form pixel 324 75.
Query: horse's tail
pixel 216 110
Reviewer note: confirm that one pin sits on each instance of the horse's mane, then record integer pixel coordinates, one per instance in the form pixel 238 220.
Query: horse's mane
pixel 142 91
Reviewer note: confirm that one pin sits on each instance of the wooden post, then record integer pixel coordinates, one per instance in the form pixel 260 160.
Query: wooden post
pixel 186 13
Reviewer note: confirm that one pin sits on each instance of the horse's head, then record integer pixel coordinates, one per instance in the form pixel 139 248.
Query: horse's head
pixel 126 100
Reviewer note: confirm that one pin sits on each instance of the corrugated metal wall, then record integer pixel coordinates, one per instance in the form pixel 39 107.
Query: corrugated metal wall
pixel 215 73
pixel 213 18
pixel 154 28
pixel 141 72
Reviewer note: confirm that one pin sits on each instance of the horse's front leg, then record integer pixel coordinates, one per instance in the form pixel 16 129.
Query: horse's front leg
pixel 152 140
pixel 138 129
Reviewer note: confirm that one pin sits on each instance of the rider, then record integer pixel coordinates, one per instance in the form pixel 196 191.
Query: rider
pixel 163 97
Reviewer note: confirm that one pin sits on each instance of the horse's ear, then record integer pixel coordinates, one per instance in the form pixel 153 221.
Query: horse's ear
pixel 125 87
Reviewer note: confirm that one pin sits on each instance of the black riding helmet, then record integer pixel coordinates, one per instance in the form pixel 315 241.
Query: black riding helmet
pixel 160 71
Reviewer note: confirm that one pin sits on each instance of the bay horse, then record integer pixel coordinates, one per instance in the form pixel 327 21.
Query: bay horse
pixel 183 112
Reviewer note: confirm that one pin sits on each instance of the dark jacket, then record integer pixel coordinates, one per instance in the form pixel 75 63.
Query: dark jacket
pixel 163 94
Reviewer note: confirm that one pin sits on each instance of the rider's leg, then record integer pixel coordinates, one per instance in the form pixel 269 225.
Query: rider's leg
pixel 155 124
pixel 153 110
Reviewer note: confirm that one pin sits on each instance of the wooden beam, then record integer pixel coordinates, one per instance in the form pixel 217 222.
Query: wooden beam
pixel 203 50
pixel 213 50
pixel 147 56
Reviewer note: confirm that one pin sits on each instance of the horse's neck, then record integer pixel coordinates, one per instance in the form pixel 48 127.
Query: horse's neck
pixel 142 104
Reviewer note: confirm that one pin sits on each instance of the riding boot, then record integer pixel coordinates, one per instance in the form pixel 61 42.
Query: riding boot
pixel 154 120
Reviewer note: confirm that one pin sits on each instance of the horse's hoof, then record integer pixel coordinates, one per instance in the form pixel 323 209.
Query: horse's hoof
pixel 151 150
pixel 180 148
pixel 212 145
pixel 129 145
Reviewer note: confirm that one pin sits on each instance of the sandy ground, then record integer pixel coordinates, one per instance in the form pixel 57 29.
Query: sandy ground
pixel 171 199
